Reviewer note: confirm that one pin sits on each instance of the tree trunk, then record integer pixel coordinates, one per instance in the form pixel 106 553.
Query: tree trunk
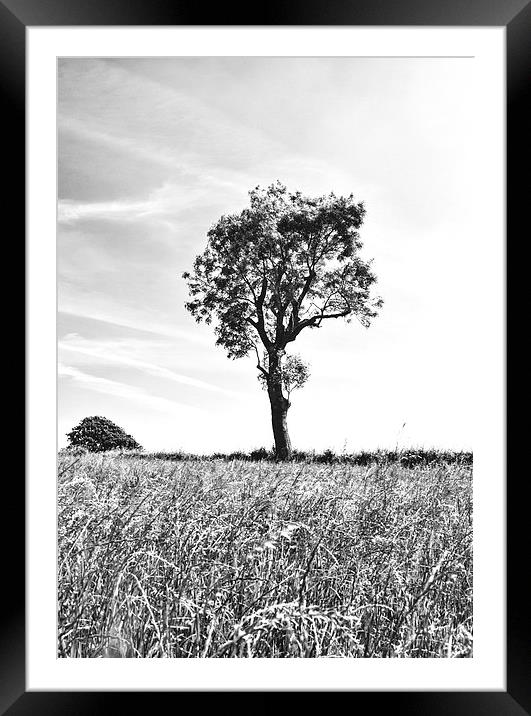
pixel 279 410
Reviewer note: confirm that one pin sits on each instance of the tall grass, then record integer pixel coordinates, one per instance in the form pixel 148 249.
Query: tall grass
pixel 244 559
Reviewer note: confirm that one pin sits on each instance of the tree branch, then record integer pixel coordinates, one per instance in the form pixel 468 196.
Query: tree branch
pixel 316 321
pixel 259 324
pixel 259 365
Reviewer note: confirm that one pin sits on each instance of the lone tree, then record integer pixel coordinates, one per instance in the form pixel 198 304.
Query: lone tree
pixel 97 434
pixel 286 263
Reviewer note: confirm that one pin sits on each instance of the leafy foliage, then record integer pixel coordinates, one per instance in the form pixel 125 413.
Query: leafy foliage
pixel 285 263
pixel 97 434
pixel 295 373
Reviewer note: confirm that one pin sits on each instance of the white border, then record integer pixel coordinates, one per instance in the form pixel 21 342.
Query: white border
pixel 486 670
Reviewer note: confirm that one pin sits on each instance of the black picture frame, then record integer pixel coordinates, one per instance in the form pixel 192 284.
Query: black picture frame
pixel 515 15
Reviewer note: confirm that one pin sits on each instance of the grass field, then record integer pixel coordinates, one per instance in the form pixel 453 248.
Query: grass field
pixel 229 558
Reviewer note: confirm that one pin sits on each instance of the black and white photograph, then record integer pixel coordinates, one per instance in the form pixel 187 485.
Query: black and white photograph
pixel 265 355
pixel 266 300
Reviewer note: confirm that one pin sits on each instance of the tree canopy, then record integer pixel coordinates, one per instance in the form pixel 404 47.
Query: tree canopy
pixel 285 263
pixel 97 434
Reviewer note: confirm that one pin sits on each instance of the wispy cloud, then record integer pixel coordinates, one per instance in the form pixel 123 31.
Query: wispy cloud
pixel 169 199
pixel 82 130
pixel 100 350
pixel 123 319
pixel 69 211
pixel 205 153
pixel 220 188
pixel 108 102
pixel 123 390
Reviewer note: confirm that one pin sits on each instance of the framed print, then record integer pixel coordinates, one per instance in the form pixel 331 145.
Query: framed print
pixel 243 188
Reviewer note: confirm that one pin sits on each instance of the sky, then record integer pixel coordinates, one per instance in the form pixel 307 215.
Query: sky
pixel 152 151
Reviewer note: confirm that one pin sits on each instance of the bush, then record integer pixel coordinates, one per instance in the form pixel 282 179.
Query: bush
pixel 261 454
pixel 97 434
